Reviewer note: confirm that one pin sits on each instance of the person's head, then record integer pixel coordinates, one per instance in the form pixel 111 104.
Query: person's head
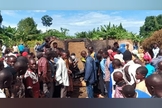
pixel 105 54
pixel 64 55
pixel 32 64
pixel 154 85
pixel 116 44
pixel 1 65
pixel 108 47
pixel 47 39
pixel 160 66
pixel 115 49
pixel 127 56
pixel 83 54
pixel 99 56
pixel 38 43
pixel 11 60
pixel 30 55
pixel 21 67
pixel 55 45
pixel 128 91
pixel 39 55
pixel 7 51
pixel 118 76
pixel 116 63
pixel 72 54
pixel 141 73
pixel 48 53
pixel 6 78
pixel 155 45
pixel 90 49
pixel 138 61
pixel 101 51
pixel 21 58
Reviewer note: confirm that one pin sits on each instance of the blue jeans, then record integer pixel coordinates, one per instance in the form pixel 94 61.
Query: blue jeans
pixel 90 90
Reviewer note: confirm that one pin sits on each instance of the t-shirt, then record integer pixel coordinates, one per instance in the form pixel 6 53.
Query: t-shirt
pixel 150 69
pixel 141 94
pixel 132 72
pixel 21 48
pixel 15 48
pixel 31 80
pixel 3 48
pixel 142 86
pixel 2 95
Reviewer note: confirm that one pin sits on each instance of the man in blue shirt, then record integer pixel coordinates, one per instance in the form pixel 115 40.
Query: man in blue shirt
pixel 90 75
pixel 21 48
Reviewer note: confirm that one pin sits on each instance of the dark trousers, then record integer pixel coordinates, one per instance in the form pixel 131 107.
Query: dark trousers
pixel 107 83
pixel 101 85
pixel 57 91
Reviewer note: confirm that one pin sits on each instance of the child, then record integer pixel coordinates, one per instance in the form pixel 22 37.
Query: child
pixel 129 91
pixel 120 83
pixel 31 80
pixel 141 73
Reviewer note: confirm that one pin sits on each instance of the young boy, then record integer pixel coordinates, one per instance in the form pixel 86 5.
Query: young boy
pixel 129 91
pixel 120 83
pixel 31 80
pixel 141 73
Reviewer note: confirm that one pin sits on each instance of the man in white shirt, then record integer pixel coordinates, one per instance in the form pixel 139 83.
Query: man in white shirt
pixel 61 76
pixel 155 50
pixel 3 49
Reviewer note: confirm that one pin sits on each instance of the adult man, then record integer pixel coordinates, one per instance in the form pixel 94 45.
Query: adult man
pixel 90 74
pixel 5 81
pixel 155 50
pixel 61 76
pixel 155 61
pixel 54 46
pixel 44 72
pixel 18 87
pixel 154 85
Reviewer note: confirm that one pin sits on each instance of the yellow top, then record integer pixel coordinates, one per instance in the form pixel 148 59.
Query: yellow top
pixel 142 86
pixel 92 55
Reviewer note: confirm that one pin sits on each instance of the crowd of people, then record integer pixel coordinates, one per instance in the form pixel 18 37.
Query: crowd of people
pixel 112 72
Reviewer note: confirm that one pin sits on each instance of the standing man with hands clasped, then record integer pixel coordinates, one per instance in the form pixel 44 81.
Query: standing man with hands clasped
pixel 61 76
pixel 90 74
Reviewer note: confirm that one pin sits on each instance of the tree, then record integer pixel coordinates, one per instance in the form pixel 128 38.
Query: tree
pixel 25 28
pixel 46 21
pixel 151 24
pixel 156 37
pixel 1 19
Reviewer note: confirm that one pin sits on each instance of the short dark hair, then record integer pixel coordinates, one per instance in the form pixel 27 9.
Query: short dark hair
pixel 143 70
pixel 128 91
